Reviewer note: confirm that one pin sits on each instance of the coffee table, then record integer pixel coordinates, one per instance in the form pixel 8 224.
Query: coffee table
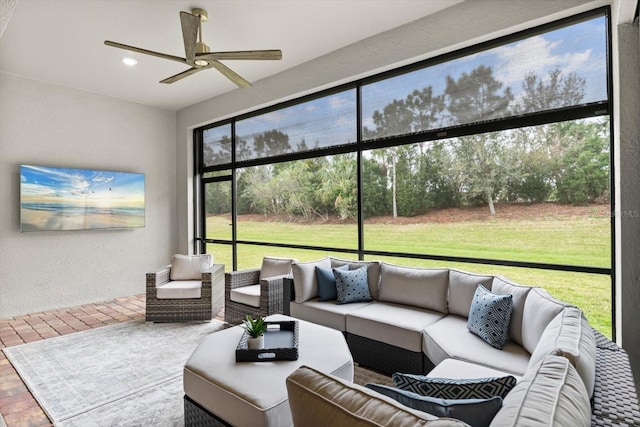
pixel 219 391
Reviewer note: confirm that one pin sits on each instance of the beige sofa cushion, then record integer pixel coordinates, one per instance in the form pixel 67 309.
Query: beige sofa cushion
pixel 190 267
pixel 394 324
pixel 325 313
pixel 539 309
pixel 318 400
pixel 502 286
pixel 273 266
pixel 305 282
pixel 417 287
pixel 450 338
pixel 550 394
pixel 569 335
pixel 462 287
pixel 373 271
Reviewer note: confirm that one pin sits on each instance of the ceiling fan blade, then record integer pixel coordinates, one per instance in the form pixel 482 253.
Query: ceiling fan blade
pixel 145 51
pixel 189 25
pixel 242 54
pixel 230 74
pixel 182 75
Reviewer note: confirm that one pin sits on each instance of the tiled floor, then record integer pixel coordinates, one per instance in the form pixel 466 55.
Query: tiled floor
pixel 17 405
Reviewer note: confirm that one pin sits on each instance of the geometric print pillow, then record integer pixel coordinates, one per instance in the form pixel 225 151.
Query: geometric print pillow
pixel 447 388
pixel 352 285
pixel 489 316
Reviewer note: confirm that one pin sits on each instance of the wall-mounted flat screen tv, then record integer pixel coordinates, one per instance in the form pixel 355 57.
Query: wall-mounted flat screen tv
pixel 54 198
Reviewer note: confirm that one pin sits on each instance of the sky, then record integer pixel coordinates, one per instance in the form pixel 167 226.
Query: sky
pixel 52 185
pixel 579 48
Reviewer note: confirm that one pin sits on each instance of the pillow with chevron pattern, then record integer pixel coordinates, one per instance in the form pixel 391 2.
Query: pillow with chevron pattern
pixel 489 316
pixel 475 412
pixel 447 388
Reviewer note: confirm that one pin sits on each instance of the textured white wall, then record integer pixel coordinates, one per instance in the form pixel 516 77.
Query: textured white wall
pixel 46 124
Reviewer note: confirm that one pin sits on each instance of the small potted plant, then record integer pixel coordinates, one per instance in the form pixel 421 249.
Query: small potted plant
pixel 255 329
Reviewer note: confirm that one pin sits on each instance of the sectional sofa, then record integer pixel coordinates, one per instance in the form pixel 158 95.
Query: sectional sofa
pixel 415 320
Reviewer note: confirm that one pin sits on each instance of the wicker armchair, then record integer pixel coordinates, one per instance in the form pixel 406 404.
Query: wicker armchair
pixel 246 293
pixel 181 306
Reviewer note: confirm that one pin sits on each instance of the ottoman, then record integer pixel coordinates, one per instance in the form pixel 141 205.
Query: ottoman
pixel 224 392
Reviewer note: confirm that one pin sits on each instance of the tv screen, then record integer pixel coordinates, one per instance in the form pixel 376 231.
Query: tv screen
pixel 53 198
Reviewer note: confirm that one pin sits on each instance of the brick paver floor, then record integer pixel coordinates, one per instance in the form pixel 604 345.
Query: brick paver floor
pixel 17 405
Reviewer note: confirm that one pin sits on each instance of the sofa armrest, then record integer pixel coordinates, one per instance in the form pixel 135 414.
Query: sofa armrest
pixel 156 279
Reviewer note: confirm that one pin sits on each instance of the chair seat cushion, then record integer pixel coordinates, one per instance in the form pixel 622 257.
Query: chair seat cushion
pixel 179 289
pixel 247 295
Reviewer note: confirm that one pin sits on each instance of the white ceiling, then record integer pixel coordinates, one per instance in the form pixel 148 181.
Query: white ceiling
pixel 61 41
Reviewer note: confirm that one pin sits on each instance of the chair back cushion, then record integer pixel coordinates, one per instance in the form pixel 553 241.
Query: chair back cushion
pixel 272 266
pixel 190 267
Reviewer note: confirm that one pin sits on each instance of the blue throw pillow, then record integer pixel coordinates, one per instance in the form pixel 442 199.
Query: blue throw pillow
pixel 489 316
pixel 448 388
pixel 327 282
pixel 475 412
pixel 352 285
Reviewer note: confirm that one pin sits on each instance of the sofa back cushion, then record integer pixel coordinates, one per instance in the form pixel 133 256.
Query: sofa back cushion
pixel 502 286
pixel 539 309
pixel 190 267
pixel 318 400
pixel 305 282
pixel 373 272
pixel 570 335
pixel 462 287
pixel 550 394
pixel 273 266
pixel 418 287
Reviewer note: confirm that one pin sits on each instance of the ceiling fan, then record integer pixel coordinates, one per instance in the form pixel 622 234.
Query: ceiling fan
pixel 197 53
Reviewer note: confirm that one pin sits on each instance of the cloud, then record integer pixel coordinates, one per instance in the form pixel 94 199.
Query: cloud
pixel 538 55
pixel 338 102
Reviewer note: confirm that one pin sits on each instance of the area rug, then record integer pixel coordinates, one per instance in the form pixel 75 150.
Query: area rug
pixel 128 374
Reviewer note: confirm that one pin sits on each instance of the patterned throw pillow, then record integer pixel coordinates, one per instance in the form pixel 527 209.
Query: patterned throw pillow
pixel 447 388
pixel 352 285
pixel 327 282
pixel 475 412
pixel 489 316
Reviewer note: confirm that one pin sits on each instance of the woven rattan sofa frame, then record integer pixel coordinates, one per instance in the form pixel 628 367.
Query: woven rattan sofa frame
pixel 183 310
pixel 272 295
pixel 615 399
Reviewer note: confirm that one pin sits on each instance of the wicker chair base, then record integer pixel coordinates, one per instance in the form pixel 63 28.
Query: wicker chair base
pixel 615 400
pixel 386 358
pixel 196 416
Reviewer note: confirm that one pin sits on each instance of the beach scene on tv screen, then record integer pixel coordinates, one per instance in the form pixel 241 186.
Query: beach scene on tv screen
pixel 53 198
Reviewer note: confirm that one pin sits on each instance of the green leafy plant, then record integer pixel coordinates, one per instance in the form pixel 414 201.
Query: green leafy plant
pixel 254 327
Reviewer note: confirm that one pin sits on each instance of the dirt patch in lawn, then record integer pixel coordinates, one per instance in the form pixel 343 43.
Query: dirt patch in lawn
pixel 512 211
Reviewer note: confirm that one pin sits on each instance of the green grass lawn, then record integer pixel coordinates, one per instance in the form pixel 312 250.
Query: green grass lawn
pixel 572 241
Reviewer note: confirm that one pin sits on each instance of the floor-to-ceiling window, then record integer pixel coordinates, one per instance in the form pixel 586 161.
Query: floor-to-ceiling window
pixel 496 158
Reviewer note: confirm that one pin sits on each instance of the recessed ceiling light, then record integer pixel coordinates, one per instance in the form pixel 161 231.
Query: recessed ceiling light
pixel 129 61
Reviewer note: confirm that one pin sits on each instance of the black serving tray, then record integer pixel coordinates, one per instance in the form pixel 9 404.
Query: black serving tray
pixel 280 343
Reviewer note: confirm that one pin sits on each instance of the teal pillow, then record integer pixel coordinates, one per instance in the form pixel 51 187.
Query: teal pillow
pixel 352 285
pixel 475 412
pixel 489 316
pixel 327 282
pixel 448 388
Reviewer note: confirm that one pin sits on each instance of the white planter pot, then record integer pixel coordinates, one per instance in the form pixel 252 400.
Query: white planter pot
pixel 255 343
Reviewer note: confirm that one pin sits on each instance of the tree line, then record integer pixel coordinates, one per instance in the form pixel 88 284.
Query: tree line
pixel 565 162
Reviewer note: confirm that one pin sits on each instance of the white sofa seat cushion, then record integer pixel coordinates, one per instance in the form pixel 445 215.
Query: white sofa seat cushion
pixel 450 338
pixel 460 370
pixel 549 394
pixel 325 313
pixel 180 289
pixel 393 324
pixel 247 295
pixel 569 335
